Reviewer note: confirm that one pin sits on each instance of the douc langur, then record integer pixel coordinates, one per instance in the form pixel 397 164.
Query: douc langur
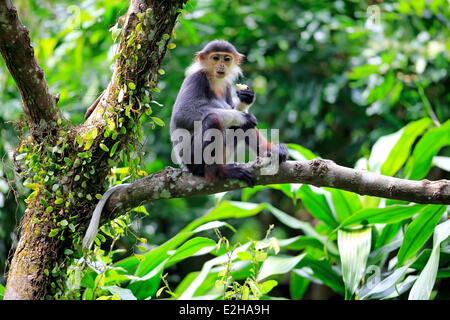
pixel 206 97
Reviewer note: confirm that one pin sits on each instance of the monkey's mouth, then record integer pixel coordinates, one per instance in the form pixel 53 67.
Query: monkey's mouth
pixel 220 74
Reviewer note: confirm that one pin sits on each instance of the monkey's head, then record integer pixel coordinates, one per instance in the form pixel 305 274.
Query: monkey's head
pixel 220 59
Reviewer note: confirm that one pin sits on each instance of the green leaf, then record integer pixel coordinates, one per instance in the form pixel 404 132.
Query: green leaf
pixel 298 286
pixel 53 233
pixel 141 209
pixel 104 147
pixel 345 203
pixel 278 265
pixel 354 249
pixel 401 149
pixel 190 248
pixel 428 146
pixel 158 121
pixel 391 214
pixel 384 288
pixel 382 148
pixel 419 231
pixel 268 285
pixel 302 225
pixel 300 153
pixel 244 255
pixel 388 233
pixel 153 258
pixel 321 270
pixel 317 205
pixel 113 149
pixel 423 286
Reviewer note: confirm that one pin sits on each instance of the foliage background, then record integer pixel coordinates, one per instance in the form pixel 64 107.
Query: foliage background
pixel 329 79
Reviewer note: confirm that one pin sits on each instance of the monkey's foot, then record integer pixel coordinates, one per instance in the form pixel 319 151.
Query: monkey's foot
pixel 279 149
pixel 234 171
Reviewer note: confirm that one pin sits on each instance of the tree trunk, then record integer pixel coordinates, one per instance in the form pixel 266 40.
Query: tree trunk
pixel 66 166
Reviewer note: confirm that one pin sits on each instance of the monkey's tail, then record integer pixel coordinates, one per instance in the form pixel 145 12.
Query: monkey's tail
pixel 91 232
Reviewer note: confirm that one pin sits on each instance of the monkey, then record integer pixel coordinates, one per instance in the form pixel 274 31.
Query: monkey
pixel 206 96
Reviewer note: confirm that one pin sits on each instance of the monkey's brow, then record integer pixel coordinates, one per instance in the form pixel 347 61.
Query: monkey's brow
pixel 221 53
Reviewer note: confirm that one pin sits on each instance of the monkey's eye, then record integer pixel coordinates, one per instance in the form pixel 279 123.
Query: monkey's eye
pixel 216 58
pixel 227 58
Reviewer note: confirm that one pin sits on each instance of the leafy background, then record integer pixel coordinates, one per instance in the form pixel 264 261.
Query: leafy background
pixel 367 95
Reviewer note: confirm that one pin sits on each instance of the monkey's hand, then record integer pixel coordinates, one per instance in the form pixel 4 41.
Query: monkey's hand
pixel 250 121
pixel 246 96
pixel 279 149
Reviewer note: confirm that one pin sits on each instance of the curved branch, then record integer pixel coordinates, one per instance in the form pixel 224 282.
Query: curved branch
pixel 38 103
pixel 175 183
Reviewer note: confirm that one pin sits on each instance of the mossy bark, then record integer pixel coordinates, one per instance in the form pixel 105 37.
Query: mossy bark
pixel 80 168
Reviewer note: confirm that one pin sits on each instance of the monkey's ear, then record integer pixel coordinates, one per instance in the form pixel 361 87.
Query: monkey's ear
pixel 240 58
pixel 200 56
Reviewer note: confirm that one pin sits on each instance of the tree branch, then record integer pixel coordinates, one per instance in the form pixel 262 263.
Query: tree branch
pixel 38 103
pixel 175 183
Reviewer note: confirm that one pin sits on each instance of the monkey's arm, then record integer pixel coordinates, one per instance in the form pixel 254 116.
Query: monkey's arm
pixel 235 118
pixel 246 98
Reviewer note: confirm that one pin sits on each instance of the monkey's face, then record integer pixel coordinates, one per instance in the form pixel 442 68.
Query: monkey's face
pixel 220 63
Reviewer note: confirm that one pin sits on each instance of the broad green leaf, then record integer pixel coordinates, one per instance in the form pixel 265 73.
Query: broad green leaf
pixel 301 242
pixel 345 203
pixel 428 146
pixel 289 189
pixel 388 232
pixel 155 257
pixel 400 151
pixel 384 288
pixel 190 248
pixel 278 265
pixel 297 286
pixel 389 214
pixel 382 148
pixel 317 205
pixel 354 249
pixel 419 231
pixel 234 209
pixel 300 153
pixel 321 270
pixel 423 286
pixel 213 225
pixel 304 226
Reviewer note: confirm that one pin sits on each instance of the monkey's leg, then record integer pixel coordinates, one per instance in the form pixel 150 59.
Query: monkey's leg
pixel 215 170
